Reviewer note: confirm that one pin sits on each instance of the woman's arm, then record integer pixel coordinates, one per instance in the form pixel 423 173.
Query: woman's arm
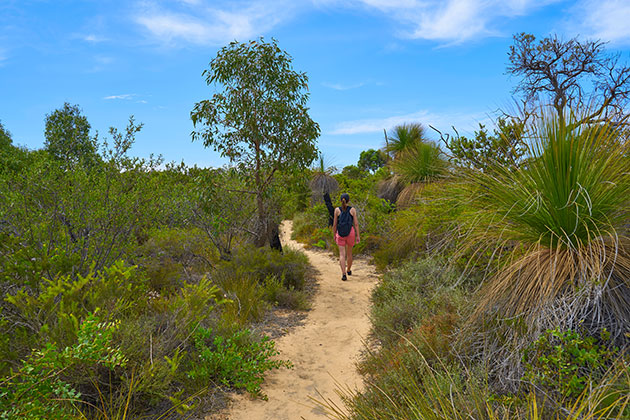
pixel 335 220
pixel 355 223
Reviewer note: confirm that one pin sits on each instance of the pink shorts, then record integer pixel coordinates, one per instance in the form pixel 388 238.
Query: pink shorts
pixel 345 240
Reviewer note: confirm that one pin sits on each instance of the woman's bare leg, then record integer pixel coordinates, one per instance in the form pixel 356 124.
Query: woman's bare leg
pixel 349 256
pixel 342 259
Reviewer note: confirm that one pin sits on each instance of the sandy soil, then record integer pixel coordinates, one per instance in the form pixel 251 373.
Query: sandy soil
pixel 324 349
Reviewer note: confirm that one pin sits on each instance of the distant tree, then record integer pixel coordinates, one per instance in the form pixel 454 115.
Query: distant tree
pixel 257 118
pixel 505 146
pixel 353 172
pixel 371 160
pixel 68 137
pixel 403 137
pixel 5 138
pixel 571 75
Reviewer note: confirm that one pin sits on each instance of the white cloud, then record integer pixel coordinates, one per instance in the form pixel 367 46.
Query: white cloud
pixel 462 121
pixel 340 86
pixel 452 21
pixel 204 22
pixel 94 38
pixel 602 19
pixel 125 96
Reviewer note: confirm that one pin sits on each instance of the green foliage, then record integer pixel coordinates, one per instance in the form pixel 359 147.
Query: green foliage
pixel 290 265
pixel 407 295
pixel 5 138
pixel 37 390
pixel 403 137
pixel 573 189
pixel 239 360
pixel 64 222
pixel 54 312
pixel 172 253
pixel 351 171
pixel 371 160
pixel 565 208
pixel 505 147
pixel 278 295
pixel 429 225
pixel 258 117
pixel 223 208
pixel 419 162
pixel 309 226
pixel 566 363
pixel 68 137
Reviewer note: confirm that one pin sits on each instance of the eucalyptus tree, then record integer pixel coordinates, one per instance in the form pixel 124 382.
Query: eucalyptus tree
pixel 257 117
pixel 68 137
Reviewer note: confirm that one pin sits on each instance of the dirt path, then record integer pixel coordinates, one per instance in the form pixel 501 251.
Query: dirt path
pixel 323 350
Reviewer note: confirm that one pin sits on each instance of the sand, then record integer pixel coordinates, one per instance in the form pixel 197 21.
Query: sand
pixel 324 350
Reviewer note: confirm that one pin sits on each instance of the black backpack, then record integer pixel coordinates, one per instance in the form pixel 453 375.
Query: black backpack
pixel 344 222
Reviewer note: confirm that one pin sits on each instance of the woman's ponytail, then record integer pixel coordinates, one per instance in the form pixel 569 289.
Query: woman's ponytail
pixel 345 198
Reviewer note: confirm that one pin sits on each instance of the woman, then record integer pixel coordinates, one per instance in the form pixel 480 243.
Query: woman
pixel 346 230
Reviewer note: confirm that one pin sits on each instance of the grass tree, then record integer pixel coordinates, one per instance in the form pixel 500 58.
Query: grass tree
pixel 322 181
pixel 404 136
pixel 257 118
pixel 563 213
pixel 418 164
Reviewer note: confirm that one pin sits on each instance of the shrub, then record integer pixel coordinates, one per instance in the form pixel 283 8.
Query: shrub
pixel 412 293
pixel 432 224
pixel 290 265
pixel 566 363
pixel 276 294
pixel 170 253
pixel 239 360
pixel 38 389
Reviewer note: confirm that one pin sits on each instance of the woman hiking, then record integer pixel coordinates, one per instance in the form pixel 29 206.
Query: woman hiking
pixel 346 230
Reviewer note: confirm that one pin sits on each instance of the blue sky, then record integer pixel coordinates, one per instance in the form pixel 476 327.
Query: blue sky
pixel 371 64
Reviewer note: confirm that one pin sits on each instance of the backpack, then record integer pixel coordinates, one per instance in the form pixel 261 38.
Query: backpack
pixel 344 222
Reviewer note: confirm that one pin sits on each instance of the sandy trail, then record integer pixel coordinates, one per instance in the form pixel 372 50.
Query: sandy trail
pixel 323 350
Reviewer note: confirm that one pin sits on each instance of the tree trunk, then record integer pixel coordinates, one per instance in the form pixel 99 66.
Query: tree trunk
pixel 274 237
pixel 261 229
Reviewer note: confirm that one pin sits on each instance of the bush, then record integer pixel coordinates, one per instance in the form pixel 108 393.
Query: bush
pixel 170 253
pixel 239 360
pixel 414 292
pixel 430 225
pixel 565 363
pixel 290 265
pixel 38 389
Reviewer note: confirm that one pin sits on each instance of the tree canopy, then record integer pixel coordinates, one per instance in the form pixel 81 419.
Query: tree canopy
pixel 68 136
pixel 371 160
pixel 571 75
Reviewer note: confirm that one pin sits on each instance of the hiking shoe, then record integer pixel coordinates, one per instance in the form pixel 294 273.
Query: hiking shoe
pixel 344 278
pixel 349 272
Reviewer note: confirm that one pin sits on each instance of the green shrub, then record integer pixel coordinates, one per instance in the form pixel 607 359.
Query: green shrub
pixel 567 363
pixel 38 390
pixel 245 293
pixel 290 265
pixel 276 294
pixel 170 253
pixel 429 225
pixel 239 360
pixel 406 295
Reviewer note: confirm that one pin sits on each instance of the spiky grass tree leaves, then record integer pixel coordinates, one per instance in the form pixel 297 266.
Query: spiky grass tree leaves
pixel 258 116
pixel 403 137
pixel 564 209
